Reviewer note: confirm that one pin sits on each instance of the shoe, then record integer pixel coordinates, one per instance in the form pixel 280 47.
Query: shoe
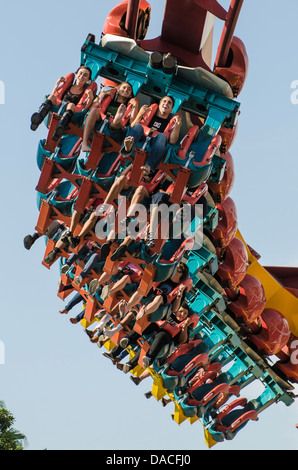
pixel 105 250
pixel 101 340
pixel 126 368
pixel 37 118
pixel 28 242
pixel 88 333
pixel 64 238
pixel 78 280
pixel 94 286
pixel 73 241
pixel 109 355
pixel 105 293
pixel 119 252
pixel 74 321
pixel 64 268
pixel 124 342
pixel 50 258
pixel 100 313
pixel 146 361
pixel 151 242
pixel 148 395
pixel 62 125
pixel 136 380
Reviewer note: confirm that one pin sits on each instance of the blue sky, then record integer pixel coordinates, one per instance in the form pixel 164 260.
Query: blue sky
pixel 62 391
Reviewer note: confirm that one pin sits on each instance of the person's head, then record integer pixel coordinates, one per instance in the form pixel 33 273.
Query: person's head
pixel 183 312
pixel 83 75
pixel 125 90
pixel 166 105
pixel 182 270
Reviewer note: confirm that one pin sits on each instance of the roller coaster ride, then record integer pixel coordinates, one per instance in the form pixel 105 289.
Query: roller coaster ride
pixel 243 324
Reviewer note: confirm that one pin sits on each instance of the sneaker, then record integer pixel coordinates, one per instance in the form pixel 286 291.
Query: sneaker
pixel 105 293
pixel 50 258
pixel 88 333
pixel 94 286
pixel 100 313
pixel 64 268
pixel 119 252
pixel 73 241
pixel 124 342
pixel 65 236
pixel 78 280
pixel 101 340
pixel 109 355
pixel 151 242
pixel 28 242
pixel 146 361
pixel 136 380
pixel 126 368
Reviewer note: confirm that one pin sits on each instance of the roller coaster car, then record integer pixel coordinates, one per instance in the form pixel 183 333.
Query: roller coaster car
pixel 251 300
pixel 116 20
pixel 235 69
pixel 184 362
pixel 231 420
pixel 227 225
pixel 233 269
pixel 274 333
pixel 221 190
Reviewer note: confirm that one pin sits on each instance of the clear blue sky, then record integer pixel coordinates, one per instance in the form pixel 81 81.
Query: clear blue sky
pixel 62 391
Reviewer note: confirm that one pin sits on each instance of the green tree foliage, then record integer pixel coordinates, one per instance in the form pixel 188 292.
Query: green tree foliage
pixel 10 439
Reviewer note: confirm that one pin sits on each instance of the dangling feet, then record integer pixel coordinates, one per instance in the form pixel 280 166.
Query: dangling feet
pixel 29 240
pixel 63 125
pixel 37 118
pixel 119 115
pixel 52 256
pixel 128 144
pixel 119 252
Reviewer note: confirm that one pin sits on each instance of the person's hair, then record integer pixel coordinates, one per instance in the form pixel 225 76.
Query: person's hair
pixel 86 68
pixel 183 268
pixel 185 305
pixel 171 98
pixel 127 83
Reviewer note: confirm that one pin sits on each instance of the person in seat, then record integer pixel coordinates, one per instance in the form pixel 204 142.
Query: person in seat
pixel 120 98
pixel 70 89
pixel 158 123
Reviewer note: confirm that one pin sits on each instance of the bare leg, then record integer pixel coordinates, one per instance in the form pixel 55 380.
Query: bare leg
pixel 89 224
pixel 119 185
pixel 89 126
pixel 117 121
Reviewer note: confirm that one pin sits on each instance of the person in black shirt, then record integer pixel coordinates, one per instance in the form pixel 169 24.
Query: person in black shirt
pixel 72 96
pixel 159 143
pixel 116 108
